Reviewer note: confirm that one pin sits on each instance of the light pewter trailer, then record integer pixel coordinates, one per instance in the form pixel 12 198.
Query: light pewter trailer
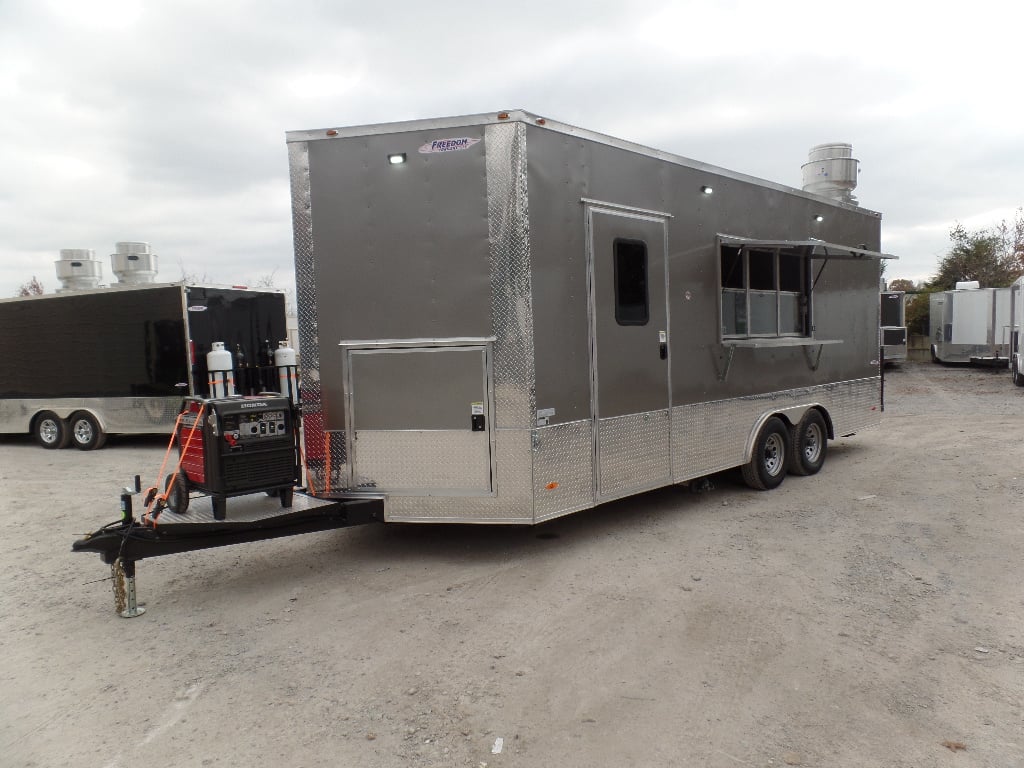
pixel 505 319
pixel 970 325
pixel 80 365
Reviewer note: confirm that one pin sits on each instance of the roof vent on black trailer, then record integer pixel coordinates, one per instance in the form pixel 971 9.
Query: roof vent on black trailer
pixel 133 263
pixel 831 171
pixel 78 269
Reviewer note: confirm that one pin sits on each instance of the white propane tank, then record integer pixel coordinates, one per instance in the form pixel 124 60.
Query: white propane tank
pixel 221 371
pixel 285 362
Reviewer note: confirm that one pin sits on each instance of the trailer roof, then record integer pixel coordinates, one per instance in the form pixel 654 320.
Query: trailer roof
pixel 812 249
pixel 522 116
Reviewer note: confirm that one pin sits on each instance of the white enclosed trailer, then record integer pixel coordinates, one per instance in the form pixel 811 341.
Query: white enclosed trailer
pixel 505 319
pixel 970 325
pixel 1016 322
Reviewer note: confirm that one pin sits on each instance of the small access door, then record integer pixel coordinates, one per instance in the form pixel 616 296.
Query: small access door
pixel 630 393
pixel 419 418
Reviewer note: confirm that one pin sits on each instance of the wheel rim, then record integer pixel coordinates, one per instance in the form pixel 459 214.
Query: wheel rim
pixel 49 431
pixel 83 431
pixel 812 443
pixel 774 454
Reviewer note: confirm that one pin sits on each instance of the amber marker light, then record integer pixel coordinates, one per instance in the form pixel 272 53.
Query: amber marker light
pixel 503 115
pixel 332 132
pixel 551 486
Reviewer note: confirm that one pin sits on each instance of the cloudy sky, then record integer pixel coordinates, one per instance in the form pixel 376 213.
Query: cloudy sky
pixel 164 120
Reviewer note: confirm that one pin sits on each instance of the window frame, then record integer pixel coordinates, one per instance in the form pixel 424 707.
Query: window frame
pixel 620 315
pixel 802 296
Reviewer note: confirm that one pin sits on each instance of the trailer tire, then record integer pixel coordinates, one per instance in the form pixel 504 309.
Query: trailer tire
pixel 50 430
pixel 86 433
pixel 286 498
pixel 808 444
pixel 1016 375
pixel 176 488
pixel 770 457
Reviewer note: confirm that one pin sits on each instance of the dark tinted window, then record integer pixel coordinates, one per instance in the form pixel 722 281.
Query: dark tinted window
pixel 790 272
pixel 631 307
pixel 732 267
pixel 762 270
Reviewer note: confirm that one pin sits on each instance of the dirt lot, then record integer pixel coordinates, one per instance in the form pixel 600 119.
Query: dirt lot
pixel 862 617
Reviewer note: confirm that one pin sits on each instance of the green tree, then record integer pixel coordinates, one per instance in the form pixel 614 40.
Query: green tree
pixel 994 257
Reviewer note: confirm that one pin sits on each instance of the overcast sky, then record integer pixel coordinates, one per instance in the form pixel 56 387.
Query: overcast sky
pixel 165 121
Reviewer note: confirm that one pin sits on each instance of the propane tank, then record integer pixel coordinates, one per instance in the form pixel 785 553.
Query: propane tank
pixel 287 382
pixel 221 371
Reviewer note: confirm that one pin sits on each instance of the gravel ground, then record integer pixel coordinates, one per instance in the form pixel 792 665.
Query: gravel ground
pixel 868 616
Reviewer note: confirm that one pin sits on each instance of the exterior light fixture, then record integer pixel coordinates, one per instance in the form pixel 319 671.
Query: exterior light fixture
pixel 707 190
pixel 818 217
pixel 397 158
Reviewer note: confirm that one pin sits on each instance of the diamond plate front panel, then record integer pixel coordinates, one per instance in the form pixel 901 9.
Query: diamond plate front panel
pixel 710 437
pixel 513 502
pixel 563 458
pixel 325 452
pixel 511 293
pixel 418 461
pixel 633 453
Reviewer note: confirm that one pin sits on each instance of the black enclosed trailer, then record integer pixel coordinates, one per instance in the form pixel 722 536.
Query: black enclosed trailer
pixel 81 365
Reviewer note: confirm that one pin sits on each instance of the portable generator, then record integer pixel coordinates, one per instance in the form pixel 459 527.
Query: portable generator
pixel 240 445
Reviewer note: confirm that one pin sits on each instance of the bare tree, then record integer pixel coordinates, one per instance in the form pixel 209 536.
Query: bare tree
pixel 901 284
pixel 32 288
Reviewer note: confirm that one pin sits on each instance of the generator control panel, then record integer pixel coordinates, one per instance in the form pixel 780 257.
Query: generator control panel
pixel 249 425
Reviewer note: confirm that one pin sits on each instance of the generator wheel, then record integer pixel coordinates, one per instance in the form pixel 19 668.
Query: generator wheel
pixel 50 430
pixel 767 466
pixel 176 487
pixel 808 443
pixel 86 433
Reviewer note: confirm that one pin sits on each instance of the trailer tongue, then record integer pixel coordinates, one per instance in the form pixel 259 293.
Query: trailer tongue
pixel 256 517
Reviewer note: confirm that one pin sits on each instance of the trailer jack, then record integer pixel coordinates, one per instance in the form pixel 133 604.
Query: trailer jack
pixel 123 543
pixel 126 603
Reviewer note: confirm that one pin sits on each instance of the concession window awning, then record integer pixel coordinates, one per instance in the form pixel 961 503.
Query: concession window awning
pixel 811 249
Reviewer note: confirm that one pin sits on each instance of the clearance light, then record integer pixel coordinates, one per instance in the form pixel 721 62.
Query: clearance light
pixel 332 132
pixel 818 217
pixel 551 486
pixel 503 115
pixel 396 159
pixel 707 190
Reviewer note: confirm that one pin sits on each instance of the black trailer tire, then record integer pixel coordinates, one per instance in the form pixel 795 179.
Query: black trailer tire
pixel 50 430
pixel 808 444
pixel 1017 376
pixel 176 487
pixel 86 433
pixel 767 466
pixel 286 498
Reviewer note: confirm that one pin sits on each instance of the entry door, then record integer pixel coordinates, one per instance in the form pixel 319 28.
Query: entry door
pixel 629 350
